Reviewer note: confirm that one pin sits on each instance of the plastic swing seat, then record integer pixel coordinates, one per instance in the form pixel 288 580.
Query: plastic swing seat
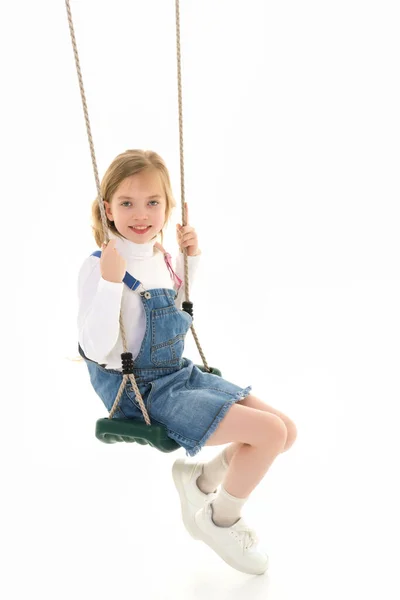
pixel 110 431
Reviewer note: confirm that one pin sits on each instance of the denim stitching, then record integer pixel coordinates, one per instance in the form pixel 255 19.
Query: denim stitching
pixel 146 310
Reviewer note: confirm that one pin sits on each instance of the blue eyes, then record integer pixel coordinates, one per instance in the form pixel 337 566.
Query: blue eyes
pixel 151 201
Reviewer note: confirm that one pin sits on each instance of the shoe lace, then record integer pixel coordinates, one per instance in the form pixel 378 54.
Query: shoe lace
pixel 246 536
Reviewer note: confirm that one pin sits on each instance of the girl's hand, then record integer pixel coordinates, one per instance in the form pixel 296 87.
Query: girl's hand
pixel 187 237
pixel 112 264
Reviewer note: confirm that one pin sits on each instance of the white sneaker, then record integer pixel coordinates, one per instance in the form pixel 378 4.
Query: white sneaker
pixel 185 475
pixel 237 545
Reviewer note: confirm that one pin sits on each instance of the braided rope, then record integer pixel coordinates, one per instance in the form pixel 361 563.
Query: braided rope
pixel 182 165
pixel 130 376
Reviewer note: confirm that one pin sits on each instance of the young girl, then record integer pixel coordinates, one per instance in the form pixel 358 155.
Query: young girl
pixel 198 409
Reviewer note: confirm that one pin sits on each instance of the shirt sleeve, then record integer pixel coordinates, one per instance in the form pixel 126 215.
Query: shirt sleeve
pixel 99 309
pixel 193 265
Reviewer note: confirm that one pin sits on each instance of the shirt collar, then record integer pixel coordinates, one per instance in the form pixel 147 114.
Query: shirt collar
pixel 131 249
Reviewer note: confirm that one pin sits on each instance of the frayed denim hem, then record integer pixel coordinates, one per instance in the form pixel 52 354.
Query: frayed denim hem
pixel 193 450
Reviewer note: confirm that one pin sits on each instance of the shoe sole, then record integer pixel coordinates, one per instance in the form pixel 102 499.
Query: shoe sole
pixel 189 522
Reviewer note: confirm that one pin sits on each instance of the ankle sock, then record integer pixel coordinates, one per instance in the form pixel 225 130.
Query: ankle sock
pixel 213 473
pixel 226 508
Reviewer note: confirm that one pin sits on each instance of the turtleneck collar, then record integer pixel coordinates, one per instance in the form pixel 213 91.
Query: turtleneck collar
pixel 128 248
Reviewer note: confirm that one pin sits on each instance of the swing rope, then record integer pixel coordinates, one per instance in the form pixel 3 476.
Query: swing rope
pixel 126 357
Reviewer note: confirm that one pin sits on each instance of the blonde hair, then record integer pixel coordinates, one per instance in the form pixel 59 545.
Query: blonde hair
pixel 124 165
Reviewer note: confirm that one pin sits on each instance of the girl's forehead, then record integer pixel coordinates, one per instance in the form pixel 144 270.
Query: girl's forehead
pixel 145 180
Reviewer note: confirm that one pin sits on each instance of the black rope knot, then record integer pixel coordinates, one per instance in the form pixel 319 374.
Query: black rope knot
pixel 127 363
pixel 187 306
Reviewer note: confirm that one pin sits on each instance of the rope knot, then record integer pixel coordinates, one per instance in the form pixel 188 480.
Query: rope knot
pixel 127 363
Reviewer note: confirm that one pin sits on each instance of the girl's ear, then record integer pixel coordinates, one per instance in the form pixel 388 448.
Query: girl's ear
pixel 108 211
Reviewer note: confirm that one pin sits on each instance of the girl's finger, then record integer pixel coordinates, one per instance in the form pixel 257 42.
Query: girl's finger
pixel 189 239
pixel 187 229
pixel 188 236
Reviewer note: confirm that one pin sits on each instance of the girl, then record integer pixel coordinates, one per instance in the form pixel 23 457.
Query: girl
pixel 198 409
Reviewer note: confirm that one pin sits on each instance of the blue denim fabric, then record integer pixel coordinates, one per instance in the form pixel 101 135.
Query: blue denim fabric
pixel 176 393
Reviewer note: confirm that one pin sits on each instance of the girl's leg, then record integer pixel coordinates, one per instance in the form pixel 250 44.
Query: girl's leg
pixel 253 402
pixel 259 436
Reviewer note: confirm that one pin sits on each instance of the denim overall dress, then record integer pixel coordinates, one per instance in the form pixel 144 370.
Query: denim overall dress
pixel 189 403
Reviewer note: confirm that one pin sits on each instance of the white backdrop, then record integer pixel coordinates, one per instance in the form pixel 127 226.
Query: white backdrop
pixel 292 156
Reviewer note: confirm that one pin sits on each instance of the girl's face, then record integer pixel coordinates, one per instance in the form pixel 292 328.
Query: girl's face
pixel 138 201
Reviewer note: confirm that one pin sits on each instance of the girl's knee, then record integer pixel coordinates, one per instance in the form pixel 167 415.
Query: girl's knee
pixel 291 435
pixel 276 429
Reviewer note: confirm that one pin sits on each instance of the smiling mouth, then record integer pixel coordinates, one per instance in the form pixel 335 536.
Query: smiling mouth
pixel 140 229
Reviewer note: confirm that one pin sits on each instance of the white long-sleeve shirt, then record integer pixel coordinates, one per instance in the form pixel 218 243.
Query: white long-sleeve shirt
pixel 100 300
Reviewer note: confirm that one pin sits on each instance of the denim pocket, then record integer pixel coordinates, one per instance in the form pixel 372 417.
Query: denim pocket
pixel 168 354
pixel 169 327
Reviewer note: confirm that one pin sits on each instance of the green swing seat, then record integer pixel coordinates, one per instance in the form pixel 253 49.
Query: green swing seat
pixel 110 431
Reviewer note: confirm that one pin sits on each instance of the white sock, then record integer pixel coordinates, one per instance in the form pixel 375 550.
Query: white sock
pixel 226 508
pixel 213 474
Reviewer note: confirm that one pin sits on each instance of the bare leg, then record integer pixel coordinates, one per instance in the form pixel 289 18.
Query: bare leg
pixel 253 402
pixel 259 437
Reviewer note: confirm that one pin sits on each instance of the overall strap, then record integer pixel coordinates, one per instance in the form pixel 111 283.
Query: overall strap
pixel 134 283
pixel 129 280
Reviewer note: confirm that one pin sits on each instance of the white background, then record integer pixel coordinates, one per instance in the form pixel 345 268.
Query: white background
pixel 292 154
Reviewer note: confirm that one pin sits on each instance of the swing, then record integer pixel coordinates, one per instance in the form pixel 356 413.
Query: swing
pixel 132 430
pixel 110 430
